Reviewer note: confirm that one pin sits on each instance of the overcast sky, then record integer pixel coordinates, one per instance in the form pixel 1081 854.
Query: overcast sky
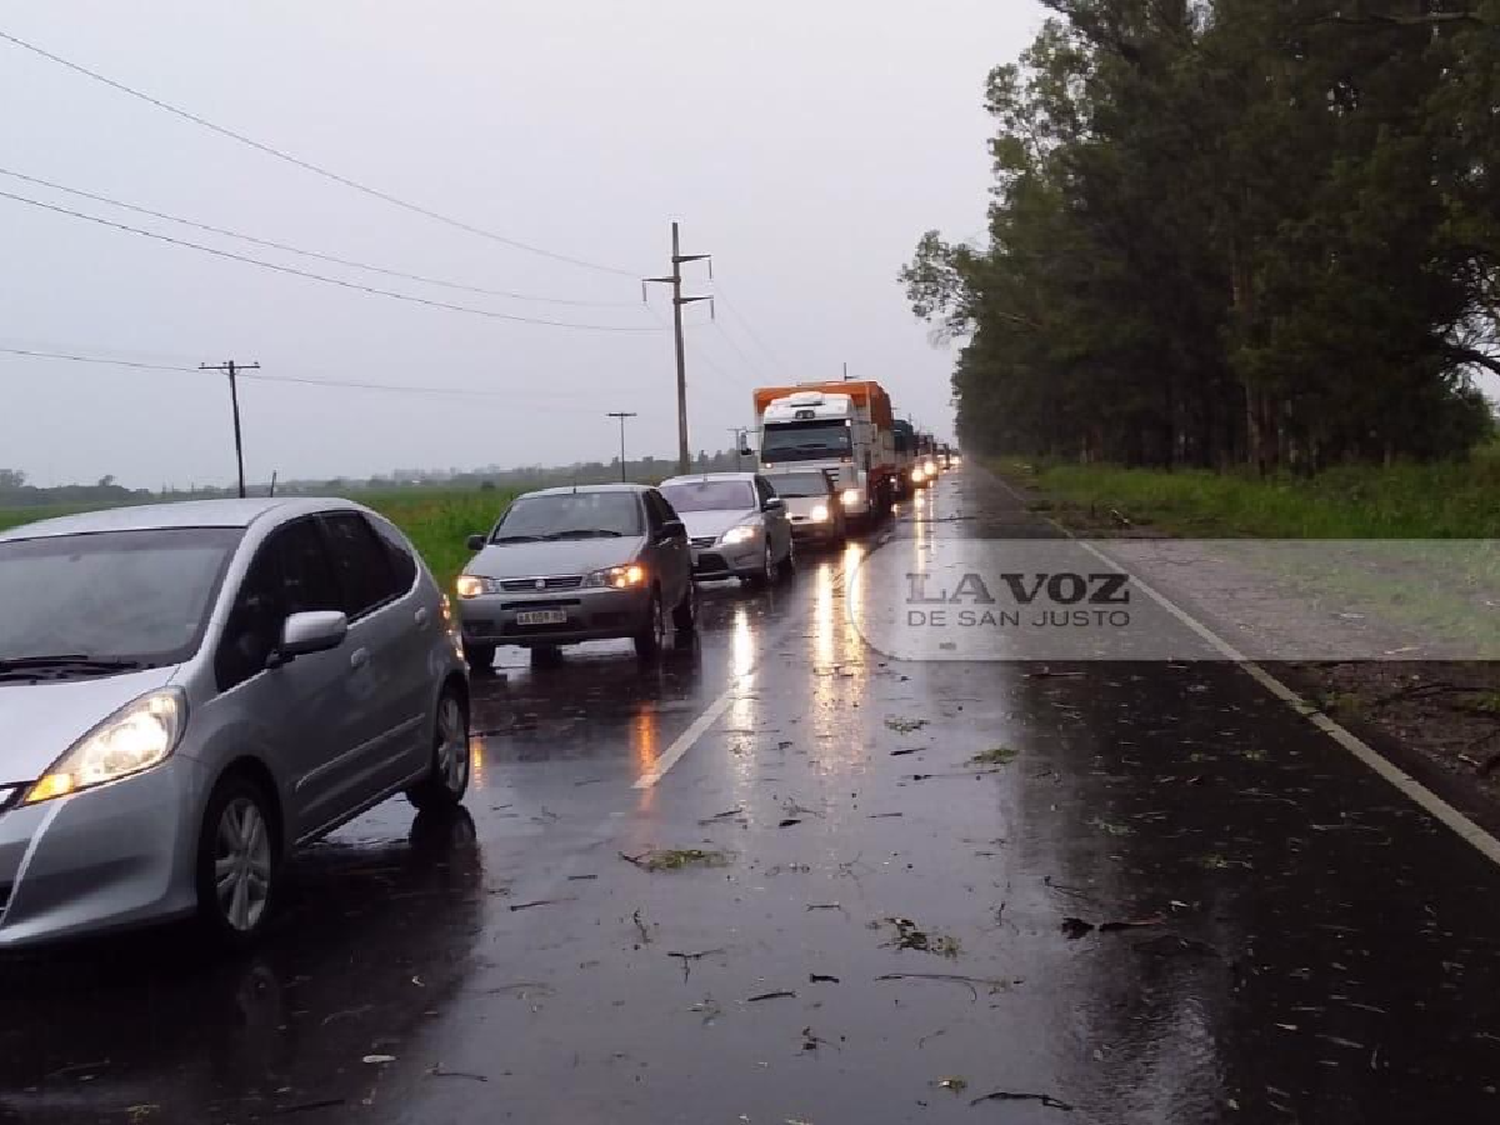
pixel 805 145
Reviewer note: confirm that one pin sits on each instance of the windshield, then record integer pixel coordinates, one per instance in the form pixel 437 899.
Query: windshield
pixel 133 596
pixel 711 495
pixel 795 486
pixel 804 441
pixel 570 515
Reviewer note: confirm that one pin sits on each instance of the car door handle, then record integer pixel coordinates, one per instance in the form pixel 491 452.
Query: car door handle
pixel 359 658
pixel 422 616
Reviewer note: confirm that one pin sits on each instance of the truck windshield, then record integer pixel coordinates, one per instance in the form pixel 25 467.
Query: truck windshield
pixel 804 441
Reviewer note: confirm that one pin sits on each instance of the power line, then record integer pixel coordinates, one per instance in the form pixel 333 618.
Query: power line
pixel 735 348
pixel 322 257
pixel 299 380
pixel 311 167
pixel 750 331
pixel 295 272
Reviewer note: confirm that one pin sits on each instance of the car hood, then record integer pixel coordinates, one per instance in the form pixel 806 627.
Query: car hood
pixel 716 522
pixel 42 720
pixel 539 560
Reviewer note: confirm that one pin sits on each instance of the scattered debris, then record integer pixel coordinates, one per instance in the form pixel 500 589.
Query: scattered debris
pixel 641 926
pixel 909 937
pixel 378 1060
pixel 952 978
pixel 302 1107
pixel 998 756
pixel 905 726
pixel 540 902
pixel 789 822
pixel 727 814
pixel 436 1071
pixel 1006 1096
pixel 811 1042
pixel 675 859
pixel 779 994
pixel 689 958
pixel 884 815
pixel 822 978
pixel 955 1085
pixel 522 987
pixel 908 750
pixel 347 1013
pixel 824 906
pixel 581 878
pixel 1075 928
pixel 1111 827
pixel 795 868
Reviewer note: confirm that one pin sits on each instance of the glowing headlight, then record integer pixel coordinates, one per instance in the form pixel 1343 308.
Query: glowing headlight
pixel 620 577
pixel 917 475
pixel 469 586
pixel 930 468
pixel 851 497
pixel 819 513
pixel 742 534
pixel 135 738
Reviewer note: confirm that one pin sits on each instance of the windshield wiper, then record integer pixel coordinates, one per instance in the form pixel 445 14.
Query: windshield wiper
pixel 68 662
pixel 517 539
pixel 587 533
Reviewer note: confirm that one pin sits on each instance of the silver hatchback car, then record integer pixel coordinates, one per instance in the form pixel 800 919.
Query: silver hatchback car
pixel 188 691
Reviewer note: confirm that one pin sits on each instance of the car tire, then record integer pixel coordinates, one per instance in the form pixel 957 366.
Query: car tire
pixel 685 616
pixel 238 868
pixel 788 565
pixel 448 773
pixel 481 658
pixel 759 579
pixel 545 656
pixel 648 642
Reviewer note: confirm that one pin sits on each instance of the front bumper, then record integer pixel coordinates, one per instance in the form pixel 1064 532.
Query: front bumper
pixel 711 562
pixel 119 855
pixel 593 614
pixel 807 530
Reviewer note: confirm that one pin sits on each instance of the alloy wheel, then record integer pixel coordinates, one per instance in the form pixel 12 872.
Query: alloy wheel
pixel 242 864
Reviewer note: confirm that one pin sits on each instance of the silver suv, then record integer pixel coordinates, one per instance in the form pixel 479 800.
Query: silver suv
pixel 567 565
pixel 191 690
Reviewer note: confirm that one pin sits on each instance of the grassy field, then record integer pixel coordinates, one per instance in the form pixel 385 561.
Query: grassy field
pixel 1447 501
pixel 438 522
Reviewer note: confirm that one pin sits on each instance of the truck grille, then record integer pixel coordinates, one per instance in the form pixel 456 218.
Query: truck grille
pixel 556 582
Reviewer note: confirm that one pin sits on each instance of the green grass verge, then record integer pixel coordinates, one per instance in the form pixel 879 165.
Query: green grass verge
pixel 437 521
pixel 1446 501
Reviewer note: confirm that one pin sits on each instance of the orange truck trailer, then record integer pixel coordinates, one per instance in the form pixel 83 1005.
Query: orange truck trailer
pixel 835 426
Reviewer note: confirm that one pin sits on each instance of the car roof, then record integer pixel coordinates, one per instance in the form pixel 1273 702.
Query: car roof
pixel 182 514
pixel 566 489
pixel 699 478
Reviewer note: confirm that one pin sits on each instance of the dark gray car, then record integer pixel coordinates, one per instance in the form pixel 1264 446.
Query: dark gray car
pixel 567 565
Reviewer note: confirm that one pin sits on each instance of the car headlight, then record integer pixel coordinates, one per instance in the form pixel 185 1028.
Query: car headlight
pixel 471 586
pixel 851 497
pixel 742 534
pixel 135 738
pixel 620 577
pixel 917 474
pixel 930 468
pixel 819 513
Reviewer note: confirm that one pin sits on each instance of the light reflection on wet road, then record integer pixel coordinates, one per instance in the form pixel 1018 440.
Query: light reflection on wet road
pixel 1317 949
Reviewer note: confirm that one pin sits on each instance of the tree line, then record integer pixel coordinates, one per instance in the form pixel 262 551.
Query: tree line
pixel 1228 233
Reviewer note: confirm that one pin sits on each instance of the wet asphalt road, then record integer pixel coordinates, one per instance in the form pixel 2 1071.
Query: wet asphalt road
pixel 1320 950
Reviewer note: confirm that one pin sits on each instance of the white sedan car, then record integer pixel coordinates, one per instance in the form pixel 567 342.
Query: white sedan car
pixel 737 526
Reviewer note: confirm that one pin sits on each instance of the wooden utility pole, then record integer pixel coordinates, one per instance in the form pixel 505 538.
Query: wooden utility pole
pixel 622 415
pixel 684 456
pixel 230 368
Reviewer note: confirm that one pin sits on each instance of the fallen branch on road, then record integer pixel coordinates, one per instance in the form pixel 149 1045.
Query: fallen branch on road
pixel 951 978
pixel 1007 1096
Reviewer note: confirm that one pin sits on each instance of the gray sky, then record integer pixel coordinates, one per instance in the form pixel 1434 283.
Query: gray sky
pixel 806 145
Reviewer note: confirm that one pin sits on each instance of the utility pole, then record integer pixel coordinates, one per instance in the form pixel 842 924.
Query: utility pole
pixel 684 456
pixel 230 368
pixel 846 372
pixel 622 415
pixel 738 433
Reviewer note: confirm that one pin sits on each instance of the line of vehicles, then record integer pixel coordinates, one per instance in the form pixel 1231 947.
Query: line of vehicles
pixel 193 690
pixel 566 565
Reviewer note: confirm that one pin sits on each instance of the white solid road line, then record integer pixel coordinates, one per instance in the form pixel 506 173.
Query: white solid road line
pixel 684 741
pixel 1461 825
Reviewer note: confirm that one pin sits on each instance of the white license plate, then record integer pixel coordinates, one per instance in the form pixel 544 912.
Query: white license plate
pixel 542 617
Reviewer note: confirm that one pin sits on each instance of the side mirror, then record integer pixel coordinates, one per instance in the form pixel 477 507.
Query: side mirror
pixel 746 451
pixel 314 631
pixel 672 529
pixel 774 504
pixel 477 542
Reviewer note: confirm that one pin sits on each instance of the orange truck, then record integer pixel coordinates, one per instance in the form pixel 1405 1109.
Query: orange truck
pixel 844 428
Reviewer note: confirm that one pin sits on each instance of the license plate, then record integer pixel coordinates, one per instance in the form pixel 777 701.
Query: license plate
pixel 542 617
